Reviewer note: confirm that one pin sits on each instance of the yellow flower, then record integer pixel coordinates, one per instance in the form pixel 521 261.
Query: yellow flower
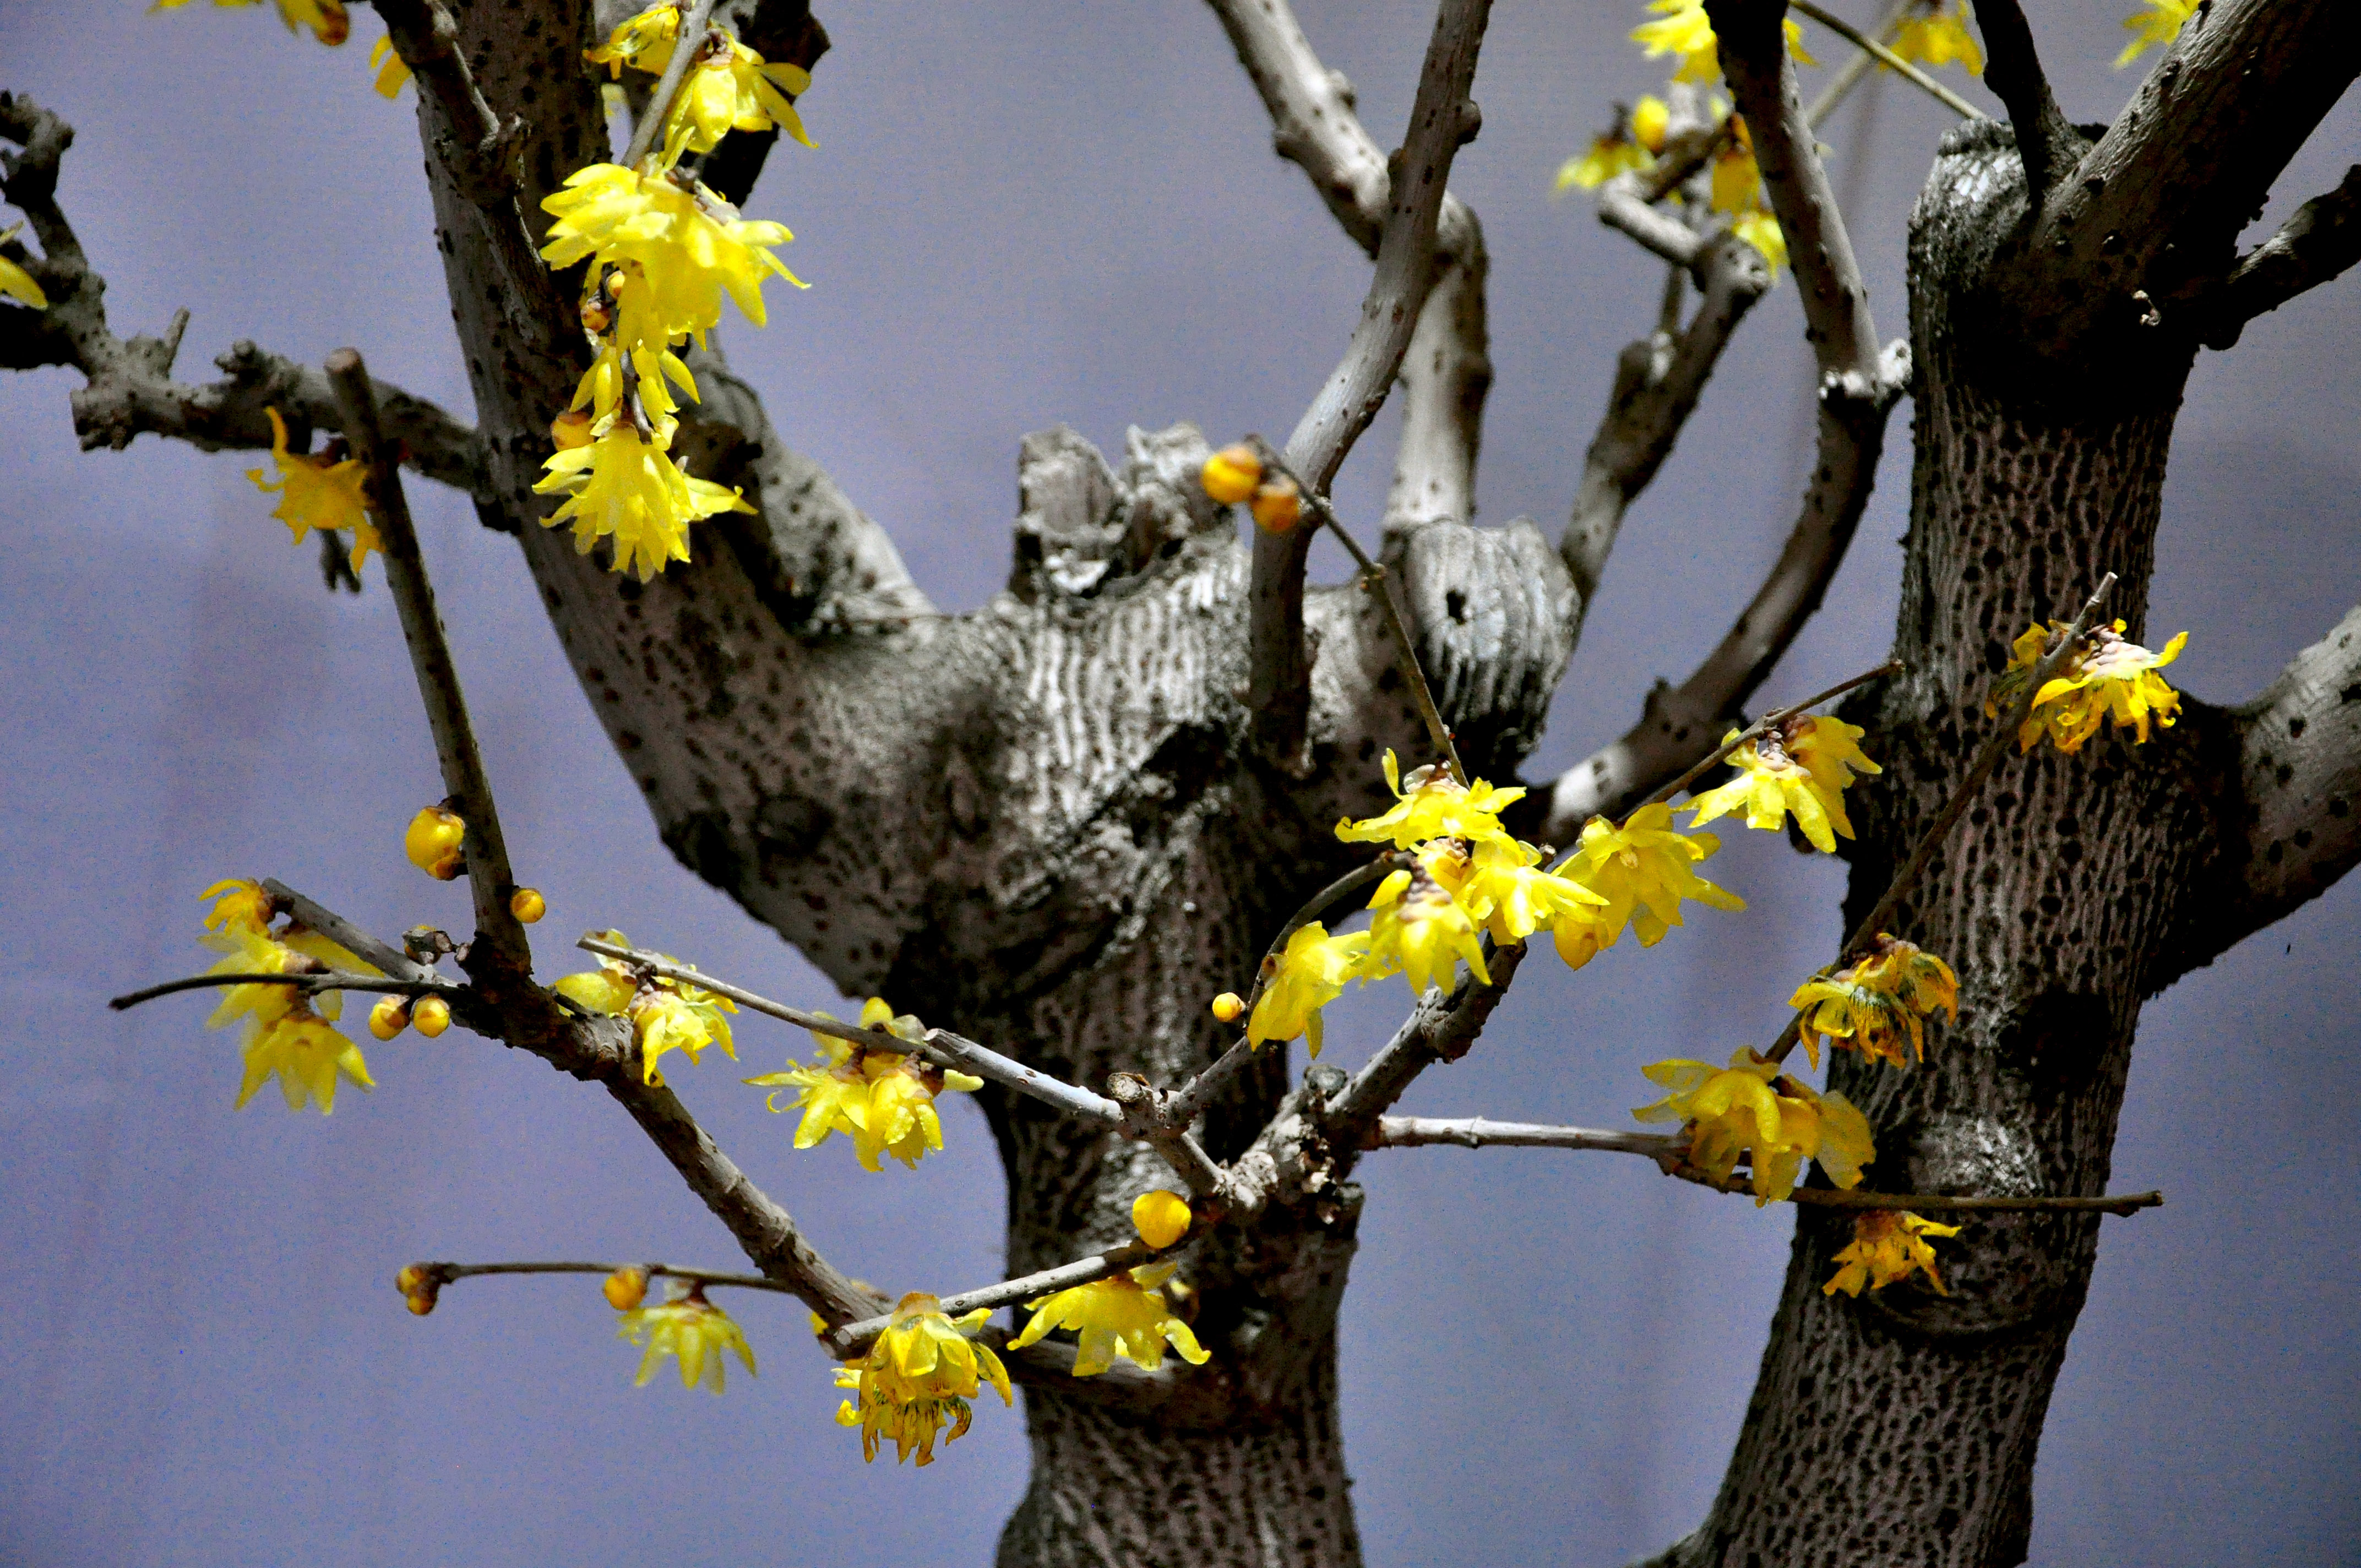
pixel 253 950
pixel 1504 888
pixel 670 1016
pixel 1685 32
pixel 688 1328
pixel 689 244
pixel 304 1054
pixel 918 1376
pixel 1231 474
pixel 1761 230
pixel 1421 931
pixel 1123 1314
pixel 642 40
pixel 1802 766
pixel 317 493
pixel 1737 183
pixel 627 488
pixel 731 91
pixel 1871 1006
pixel 1887 1245
pixel 15 282
pixel 1750 1108
pixel 1162 1218
pixel 393 71
pixel 1642 871
pixel 1435 805
pixel 2156 26
pixel 435 842
pixel 1939 37
pixel 239 905
pixel 608 989
pixel 883 1101
pixel 1311 973
pixel 2105 678
pixel 326 18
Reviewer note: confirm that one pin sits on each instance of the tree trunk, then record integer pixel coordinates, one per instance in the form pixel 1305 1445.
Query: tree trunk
pixel 1902 1427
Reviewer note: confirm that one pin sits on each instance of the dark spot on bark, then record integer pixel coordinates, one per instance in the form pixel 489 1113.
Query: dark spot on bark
pixel 2295 729
pixel 628 740
pixel 2350 693
pixel 1455 605
pixel 2285 771
pixel 2336 806
pixel 789 827
pixel 701 842
pixel 2303 838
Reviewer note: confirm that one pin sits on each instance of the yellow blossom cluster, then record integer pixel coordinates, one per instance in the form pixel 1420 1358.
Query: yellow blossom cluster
pixel 329 492
pixel 1888 1244
pixel 664 1014
pixel 918 1377
pixel 1736 189
pixel 883 1101
pixel 1938 36
pixel 688 1328
pixel 1802 766
pixel 2155 26
pixel 662 249
pixel 1752 1109
pixel 285 1034
pixel 1683 31
pixel 2105 678
pixel 1124 1314
pixel 1871 1006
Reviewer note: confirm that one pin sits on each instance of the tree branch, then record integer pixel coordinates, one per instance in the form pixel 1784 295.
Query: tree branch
pixel 2046 142
pixel 1441 118
pixel 852 1339
pixel 2317 243
pixel 129 388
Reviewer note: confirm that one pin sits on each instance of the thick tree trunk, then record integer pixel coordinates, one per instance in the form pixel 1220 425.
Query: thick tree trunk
pixel 1902 1427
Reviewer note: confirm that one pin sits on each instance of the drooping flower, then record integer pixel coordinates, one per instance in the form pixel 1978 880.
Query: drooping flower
pixel 1632 143
pixel 730 89
pixel 1749 1108
pixel 625 487
pixel 2155 26
pixel 688 1328
pixel 642 40
pixel 1939 37
pixel 1685 31
pixel 1736 188
pixel 883 1100
pixel 1873 1004
pixel 1421 931
pixel 1162 1218
pixel 1309 974
pixel 304 1054
pixel 17 283
pixel 318 492
pixel 239 905
pixel 689 244
pixel 392 70
pixel 2105 678
pixel 1124 1314
pixel 1887 1244
pixel 672 1017
pixel 1505 888
pixel 1759 229
pixel 1802 766
pixel 1435 806
pixel 1642 869
pixel 917 1377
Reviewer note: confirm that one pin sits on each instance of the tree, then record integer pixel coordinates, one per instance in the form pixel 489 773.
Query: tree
pixel 1178 795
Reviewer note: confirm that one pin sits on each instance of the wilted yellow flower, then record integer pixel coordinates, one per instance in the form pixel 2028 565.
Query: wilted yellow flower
pixel 1939 37
pixel 1642 869
pixel 1124 1314
pixel 392 70
pixel 1685 31
pixel 883 1101
pixel 2105 678
pixel 688 1328
pixel 671 1016
pixel 316 493
pixel 917 1377
pixel 1311 973
pixel 1871 1006
pixel 1421 932
pixel 2155 26
pixel 1802 766
pixel 1505 888
pixel 15 282
pixel 1161 1217
pixel 1887 1245
pixel 1435 806
pixel 304 1054
pixel 239 905
pixel 689 244
pixel 1750 1108
pixel 435 842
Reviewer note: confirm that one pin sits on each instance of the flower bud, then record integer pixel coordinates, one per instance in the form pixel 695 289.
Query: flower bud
pixel 431 1017
pixel 421 1303
pixel 1161 1217
pixel 527 905
pixel 1230 473
pixel 571 429
pixel 389 1017
pixel 1228 1005
pixel 1277 505
pixel 433 842
pixel 626 1289
pixel 1650 118
pixel 411 1279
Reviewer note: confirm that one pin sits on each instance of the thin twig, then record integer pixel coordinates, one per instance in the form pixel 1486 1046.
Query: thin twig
pixel 444 1273
pixel 1849 74
pixel 489 877
pixel 1885 57
pixel 1764 725
pixel 850 1340
pixel 334 980
pixel 939 1044
pixel 314 915
pixel 686 46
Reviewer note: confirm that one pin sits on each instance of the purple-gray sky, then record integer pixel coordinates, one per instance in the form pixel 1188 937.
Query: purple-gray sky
pixel 1017 215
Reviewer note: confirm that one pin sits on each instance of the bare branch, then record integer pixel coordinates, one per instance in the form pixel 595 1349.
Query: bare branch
pixel 1445 376
pixel 316 916
pixel 2317 243
pixel 1848 75
pixel 312 983
pixel 851 1340
pixel 1441 1028
pixel 1869 44
pixel 442 1273
pixel 2047 143
pixel 1477 1132
pixel 499 945
pixel 1441 118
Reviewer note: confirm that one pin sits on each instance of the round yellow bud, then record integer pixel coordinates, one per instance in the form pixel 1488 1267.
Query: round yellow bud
pixel 431 1017
pixel 1230 473
pixel 389 1017
pixel 433 842
pixel 571 429
pixel 1161 1217
pixel 410 1279
pixel 527 905
pixel 1277 505
pixel 626 1289
pixel 1650 118
pixel 421 1303
pixel 1228 1005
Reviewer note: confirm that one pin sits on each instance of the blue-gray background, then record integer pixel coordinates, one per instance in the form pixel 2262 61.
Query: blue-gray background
pixel 1018 214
